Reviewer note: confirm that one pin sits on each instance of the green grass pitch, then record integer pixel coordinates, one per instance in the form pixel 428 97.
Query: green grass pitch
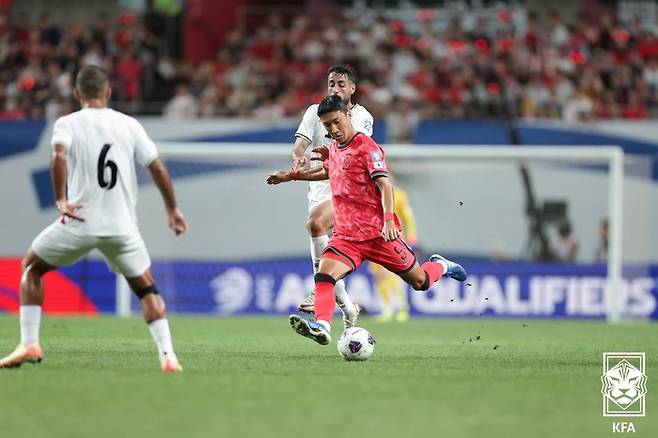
pixel 254 377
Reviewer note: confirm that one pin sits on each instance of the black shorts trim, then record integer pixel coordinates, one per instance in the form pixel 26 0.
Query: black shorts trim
pixel 343 255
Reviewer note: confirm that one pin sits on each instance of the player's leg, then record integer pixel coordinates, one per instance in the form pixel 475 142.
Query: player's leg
pixel 53 247
pixel 155 315
pixel 338 260
pixel 325 302
pixel 128 256
pixel 31 300
pixel 319 222
pixel 422 277
pixel 397 257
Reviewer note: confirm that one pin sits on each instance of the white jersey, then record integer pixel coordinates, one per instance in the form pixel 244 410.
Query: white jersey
pixel 102 148
pixel 312 129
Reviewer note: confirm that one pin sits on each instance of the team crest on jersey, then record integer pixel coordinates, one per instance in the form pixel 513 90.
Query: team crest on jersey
pixel 377 160
pixel 347 160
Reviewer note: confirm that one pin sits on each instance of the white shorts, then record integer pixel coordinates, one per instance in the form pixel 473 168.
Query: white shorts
pixel 126 255
pixel 313 203
pixel 318 192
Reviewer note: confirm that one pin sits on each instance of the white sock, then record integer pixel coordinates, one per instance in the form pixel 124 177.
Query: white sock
pixel 318 244
pixel 343 300
pixel 162 336
pixel 325 324
pixel 30 317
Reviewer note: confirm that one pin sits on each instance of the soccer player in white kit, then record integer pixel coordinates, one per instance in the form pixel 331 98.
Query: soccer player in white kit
pixel 95 187
pixel 341 81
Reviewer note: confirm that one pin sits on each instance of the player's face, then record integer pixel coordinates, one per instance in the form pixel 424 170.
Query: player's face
pixel 338 125
pixel 341 85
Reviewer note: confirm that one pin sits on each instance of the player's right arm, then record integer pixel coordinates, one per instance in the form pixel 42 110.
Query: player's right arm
pixel 61 141
pixel 314 174
pixel 310 174
pixel 58 174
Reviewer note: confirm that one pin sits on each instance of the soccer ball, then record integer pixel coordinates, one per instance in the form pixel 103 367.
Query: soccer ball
pixel 356 343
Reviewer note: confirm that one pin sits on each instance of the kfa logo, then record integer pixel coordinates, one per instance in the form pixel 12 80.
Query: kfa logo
pixel 624 385
pixel 623 426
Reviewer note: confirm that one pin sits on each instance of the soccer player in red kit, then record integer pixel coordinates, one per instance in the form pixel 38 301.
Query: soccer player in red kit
pixel 365 226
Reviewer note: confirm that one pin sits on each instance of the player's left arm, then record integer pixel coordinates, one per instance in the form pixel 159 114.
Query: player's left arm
pixel 146 155
pixel 162 180
pixel 390 231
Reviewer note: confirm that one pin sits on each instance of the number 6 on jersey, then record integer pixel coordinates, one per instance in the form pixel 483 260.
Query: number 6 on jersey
pixel 102 164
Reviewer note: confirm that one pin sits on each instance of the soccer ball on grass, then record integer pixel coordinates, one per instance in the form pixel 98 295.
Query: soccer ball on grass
pixel 356 343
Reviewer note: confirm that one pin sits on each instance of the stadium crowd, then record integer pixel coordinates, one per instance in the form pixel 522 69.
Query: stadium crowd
pixel 591 68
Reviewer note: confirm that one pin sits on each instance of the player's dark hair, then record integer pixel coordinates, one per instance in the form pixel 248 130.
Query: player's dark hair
pixel 91 81
pixel 330 104
pixel 343 69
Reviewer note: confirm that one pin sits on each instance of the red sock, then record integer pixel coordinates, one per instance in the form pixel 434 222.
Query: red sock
pixel 433 270
pixel 325 301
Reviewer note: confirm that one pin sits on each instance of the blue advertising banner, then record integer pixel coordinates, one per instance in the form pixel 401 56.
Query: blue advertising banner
pixel 499 290
pixel 264 287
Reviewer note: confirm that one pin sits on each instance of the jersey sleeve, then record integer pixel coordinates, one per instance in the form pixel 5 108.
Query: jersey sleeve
pixel 145 150
pixel 307 126
pixel 363 122
pixel 374 159
pixel 62 133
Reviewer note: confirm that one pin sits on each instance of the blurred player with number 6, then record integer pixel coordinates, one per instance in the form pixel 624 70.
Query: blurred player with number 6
pixel 95 187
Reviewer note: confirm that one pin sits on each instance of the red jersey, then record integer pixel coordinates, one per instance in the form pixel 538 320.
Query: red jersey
pixel 358 210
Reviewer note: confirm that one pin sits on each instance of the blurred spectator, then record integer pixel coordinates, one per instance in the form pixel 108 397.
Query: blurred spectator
pixel 441 64
pixel 601 253
pixel 566 247
pixel 578 107
pixel 183 105
pixel 634 108
pixel 401 121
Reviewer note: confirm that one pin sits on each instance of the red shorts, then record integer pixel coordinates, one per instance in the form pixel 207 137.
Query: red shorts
pixel 396 256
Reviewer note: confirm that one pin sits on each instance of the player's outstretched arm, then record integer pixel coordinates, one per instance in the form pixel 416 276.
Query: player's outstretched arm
pixel 281 176
pixel 162 179
pixel 390 230
pixel 58 174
